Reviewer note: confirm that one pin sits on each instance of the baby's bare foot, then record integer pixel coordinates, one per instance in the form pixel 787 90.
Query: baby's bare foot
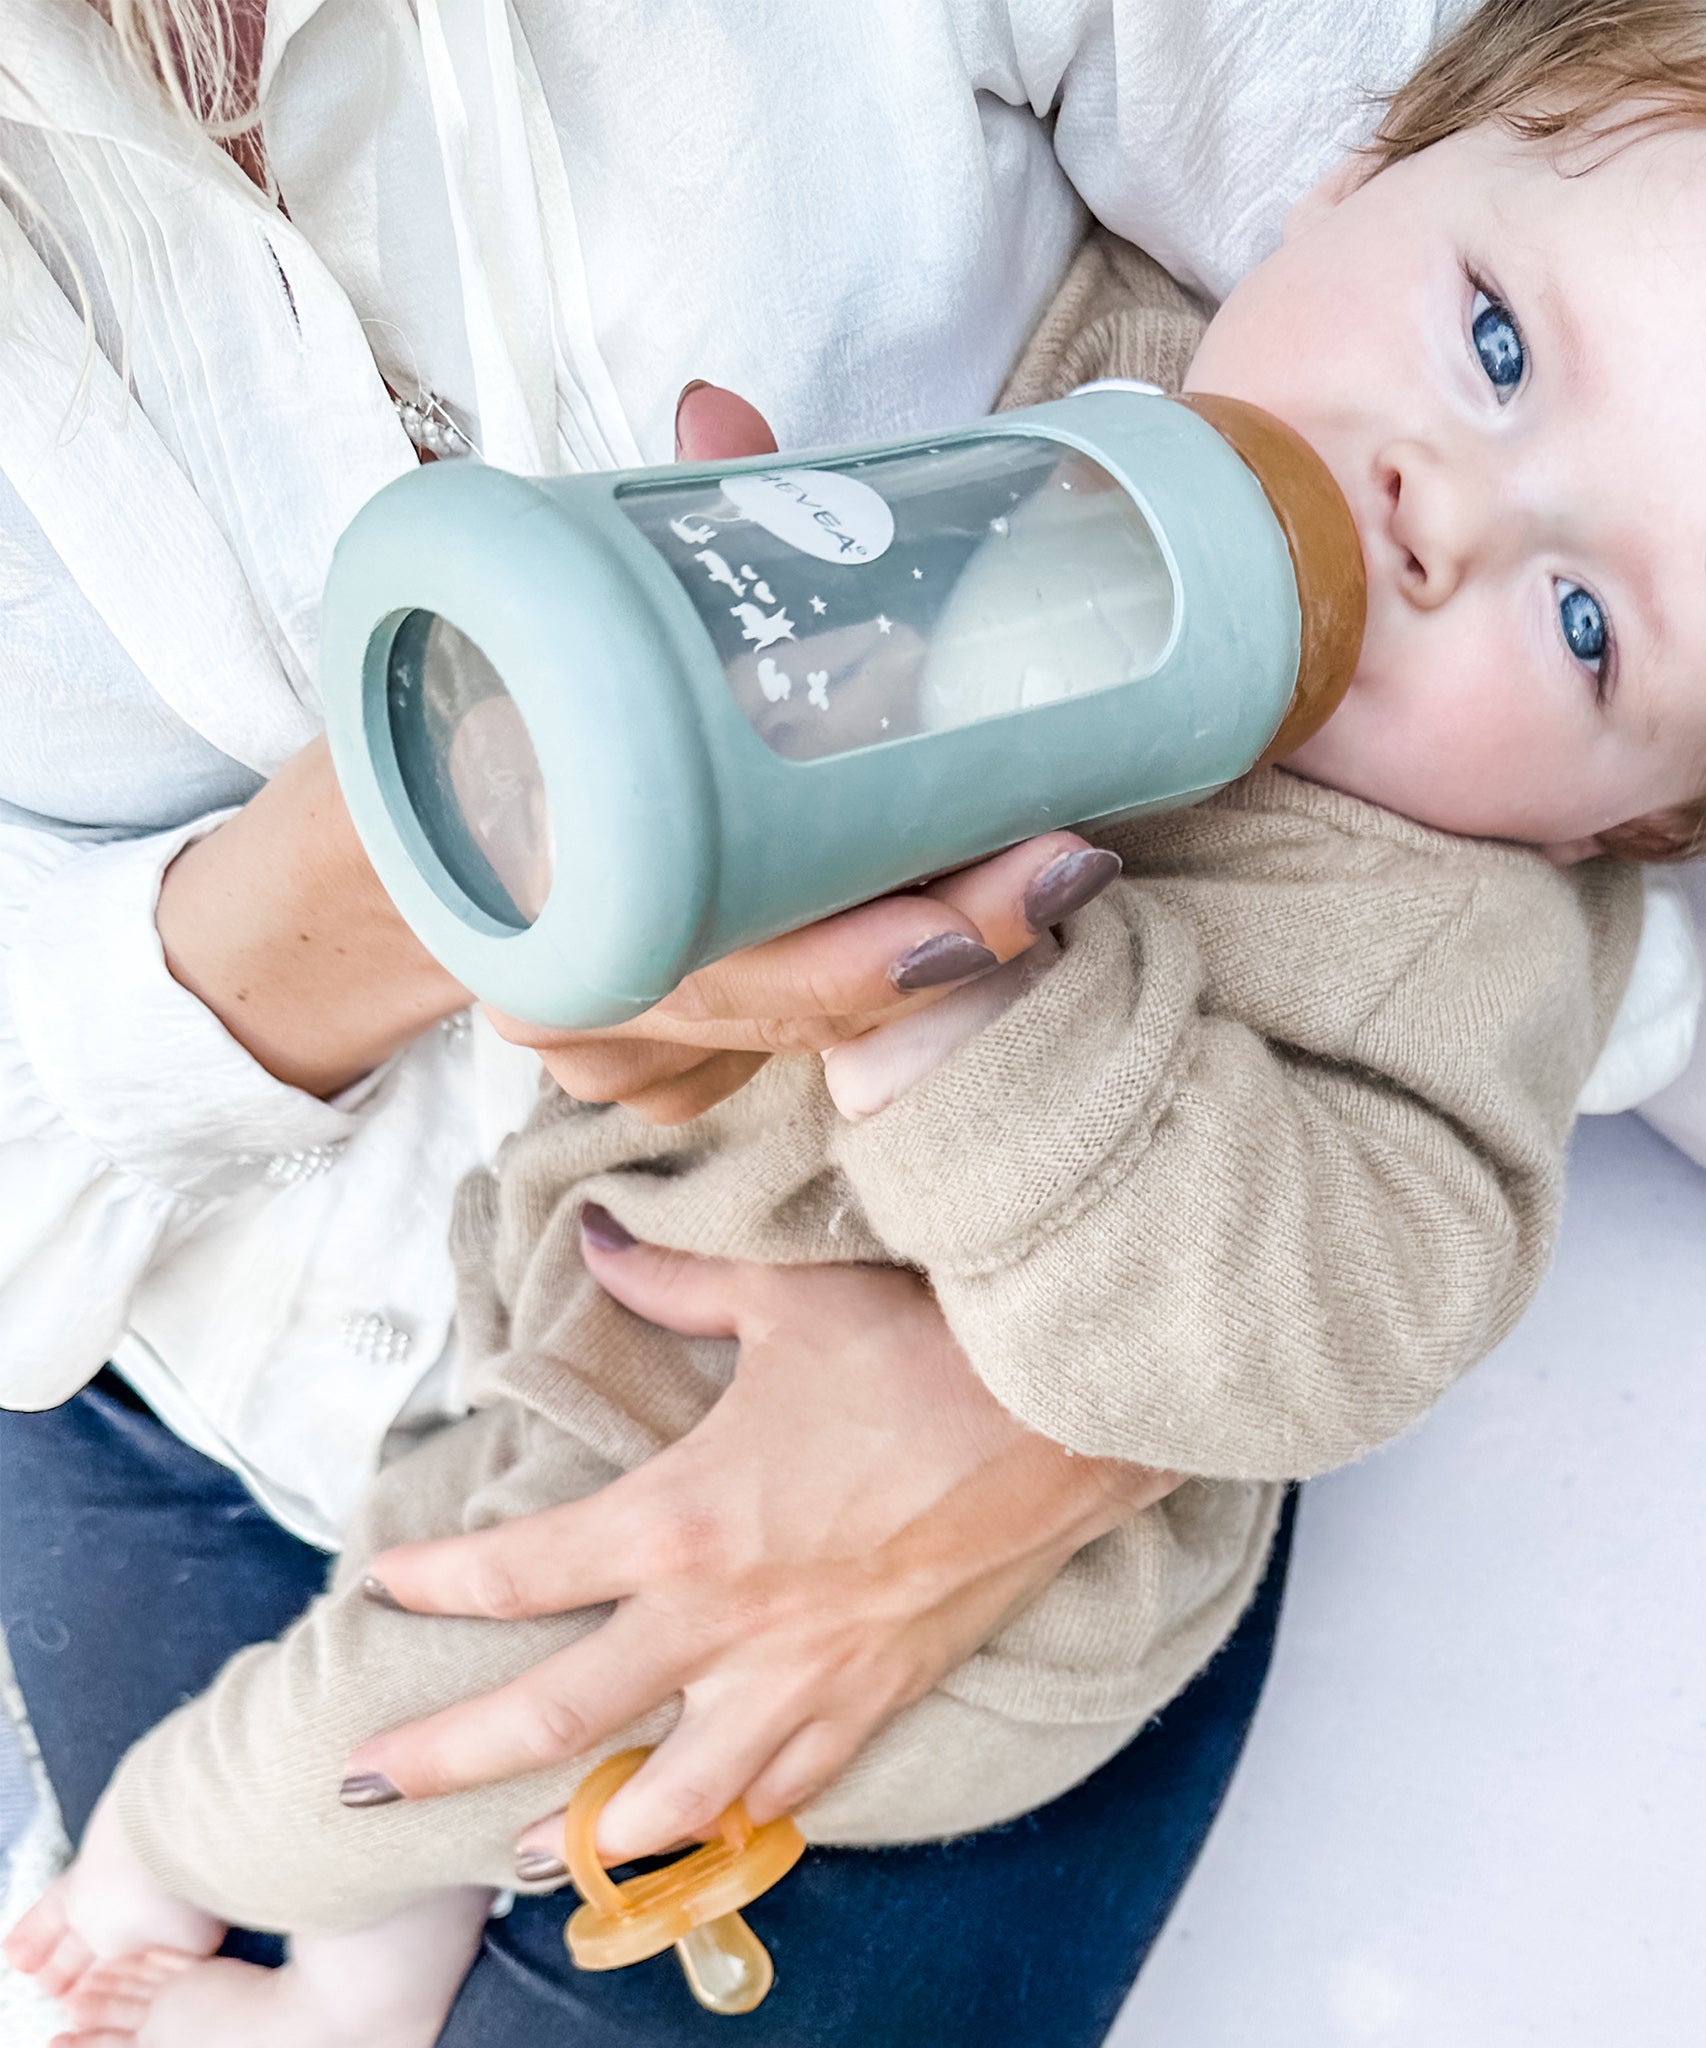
pixel 107 1904
pixel 44 1944
pixel 225 2004
pixel 134 1967
pixel 389 1986
pixel 109 2005
pixel 161 1998
pixel 107 1918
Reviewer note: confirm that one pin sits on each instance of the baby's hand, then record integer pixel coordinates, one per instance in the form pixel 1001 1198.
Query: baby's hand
pixel 867 1074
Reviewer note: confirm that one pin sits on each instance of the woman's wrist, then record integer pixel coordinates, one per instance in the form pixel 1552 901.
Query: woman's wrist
pixel 278 925
pixel 1050 1501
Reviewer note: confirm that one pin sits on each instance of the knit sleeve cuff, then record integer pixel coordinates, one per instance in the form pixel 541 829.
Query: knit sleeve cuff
pixel 1017 1130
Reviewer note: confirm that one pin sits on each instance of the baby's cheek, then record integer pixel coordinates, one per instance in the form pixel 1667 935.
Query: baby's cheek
pixel 1449 721
pixel 869 1073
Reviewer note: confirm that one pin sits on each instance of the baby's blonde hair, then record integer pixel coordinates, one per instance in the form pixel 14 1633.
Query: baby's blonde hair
pixel 1599 70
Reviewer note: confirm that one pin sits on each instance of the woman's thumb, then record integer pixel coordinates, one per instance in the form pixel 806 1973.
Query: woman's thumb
pixel 696 1297
pixel 714 425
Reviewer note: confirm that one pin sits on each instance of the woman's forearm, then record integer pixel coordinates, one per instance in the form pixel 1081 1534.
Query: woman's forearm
pixel 278 924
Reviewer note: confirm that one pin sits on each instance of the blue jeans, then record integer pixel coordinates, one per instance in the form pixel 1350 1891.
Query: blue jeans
pixel 131 1568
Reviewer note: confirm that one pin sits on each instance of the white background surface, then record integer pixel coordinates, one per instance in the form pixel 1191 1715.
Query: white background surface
pixel 1472 1812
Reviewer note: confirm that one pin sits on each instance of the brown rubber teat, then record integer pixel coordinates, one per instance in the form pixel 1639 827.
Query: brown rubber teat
pixel 1332 582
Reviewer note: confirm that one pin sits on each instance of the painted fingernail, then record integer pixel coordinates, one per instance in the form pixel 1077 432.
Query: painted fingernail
pixel 600 1228
pixel 538 1866
pixel 932 963
pixel 381 1594
pixel 687 391
pixel 1067 884
pixel 368 1788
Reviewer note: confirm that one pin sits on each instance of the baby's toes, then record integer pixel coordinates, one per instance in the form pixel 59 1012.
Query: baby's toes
pixel 38 1933
pixel 115 1996
pixel 109 1999
pixel 65 1967
pixel 155 1966
pixel 106 2038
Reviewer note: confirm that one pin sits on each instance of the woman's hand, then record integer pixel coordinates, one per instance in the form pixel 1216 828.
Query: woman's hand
pixel 854 1517
pixel 825 986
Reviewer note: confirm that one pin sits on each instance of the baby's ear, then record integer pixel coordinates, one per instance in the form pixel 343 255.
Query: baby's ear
pixel 1336 187
pixel 1678 833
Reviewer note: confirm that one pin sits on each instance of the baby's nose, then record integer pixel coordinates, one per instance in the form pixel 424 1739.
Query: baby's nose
pixel 1442 521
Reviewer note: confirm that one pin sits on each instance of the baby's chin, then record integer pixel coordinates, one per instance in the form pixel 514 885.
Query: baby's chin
pixel 1395 785
pixel 1345 755
pixel 1327 759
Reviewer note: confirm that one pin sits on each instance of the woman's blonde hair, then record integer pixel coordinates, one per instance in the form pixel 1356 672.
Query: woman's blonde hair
pixel 1604 71
pixel 192 49
pixel 195 53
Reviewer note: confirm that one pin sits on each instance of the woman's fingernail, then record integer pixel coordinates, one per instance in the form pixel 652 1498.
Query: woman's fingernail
pixel 538 1866
pixel 600 1228
pixel 381 1594
pixel 687 391
pixel 1067 884
pixel 934 962
pixel 368 1788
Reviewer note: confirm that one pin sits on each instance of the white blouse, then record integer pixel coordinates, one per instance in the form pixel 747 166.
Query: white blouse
pixel 551 216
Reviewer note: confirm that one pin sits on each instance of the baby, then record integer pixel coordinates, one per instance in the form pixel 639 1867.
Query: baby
pixel 1269 1154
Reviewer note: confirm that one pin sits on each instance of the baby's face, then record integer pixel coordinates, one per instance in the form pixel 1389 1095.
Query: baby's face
pixel 1504 366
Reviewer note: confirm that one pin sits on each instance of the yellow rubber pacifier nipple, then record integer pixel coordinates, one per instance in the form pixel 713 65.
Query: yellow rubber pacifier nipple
pixel 692 1906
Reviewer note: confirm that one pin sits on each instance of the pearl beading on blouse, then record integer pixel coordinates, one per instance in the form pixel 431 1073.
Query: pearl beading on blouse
pixel 427 422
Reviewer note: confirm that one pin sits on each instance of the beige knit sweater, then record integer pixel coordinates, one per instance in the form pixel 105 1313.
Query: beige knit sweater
pixel 1267 1161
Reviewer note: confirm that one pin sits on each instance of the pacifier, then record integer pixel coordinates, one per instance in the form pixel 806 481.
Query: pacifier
pixel 692 1906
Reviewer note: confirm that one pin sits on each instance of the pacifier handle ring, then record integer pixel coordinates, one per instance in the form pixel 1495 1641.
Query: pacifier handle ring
pixel 734 1825
pixel 580 1827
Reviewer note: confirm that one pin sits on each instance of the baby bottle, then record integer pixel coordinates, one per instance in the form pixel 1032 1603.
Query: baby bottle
pixel 596 731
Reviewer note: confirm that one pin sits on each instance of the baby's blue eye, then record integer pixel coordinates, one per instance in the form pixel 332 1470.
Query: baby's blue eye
pixel 1498 343
pixel 1584 625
